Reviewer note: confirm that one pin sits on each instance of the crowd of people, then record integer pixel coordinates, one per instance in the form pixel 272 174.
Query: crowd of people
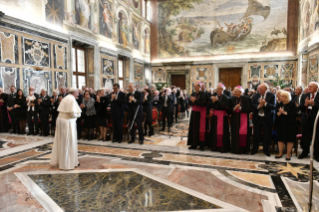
pixel 221 120
pixel 99 108
pixel 275 114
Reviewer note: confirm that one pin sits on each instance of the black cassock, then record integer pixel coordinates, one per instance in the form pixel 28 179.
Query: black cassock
pixel 197 124
pixel 240 131
pixel 4 116
pixel 219 127
pixel 286 124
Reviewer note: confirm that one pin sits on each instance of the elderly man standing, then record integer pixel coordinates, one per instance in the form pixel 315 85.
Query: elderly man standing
pixel 44 102
pixel 65 148
pixel 264 105
pixel 310 105
pixel 197 125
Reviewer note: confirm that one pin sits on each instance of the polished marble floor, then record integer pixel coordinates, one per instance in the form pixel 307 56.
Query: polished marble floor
pixel 161 175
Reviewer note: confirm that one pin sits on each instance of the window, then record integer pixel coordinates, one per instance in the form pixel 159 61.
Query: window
pixel 78 67
pixel 121 72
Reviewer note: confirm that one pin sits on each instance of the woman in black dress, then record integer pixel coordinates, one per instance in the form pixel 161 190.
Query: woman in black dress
pixel 181 102
pixel 101 113
pixel 20 108
pixel 147 108
pixel 89 112
pixel 4 116
pixel 286 121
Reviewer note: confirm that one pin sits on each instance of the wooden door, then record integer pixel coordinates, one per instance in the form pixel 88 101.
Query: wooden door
pixel 231 77
pixel 178 81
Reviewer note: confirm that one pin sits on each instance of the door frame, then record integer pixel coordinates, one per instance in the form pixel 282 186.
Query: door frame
pixel 244 70
pixel 186 72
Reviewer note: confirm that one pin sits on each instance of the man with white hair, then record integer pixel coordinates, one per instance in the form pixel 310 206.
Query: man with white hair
pixel 44 108
pixel 197 124
pixel 264 105
pixel 240 107
pixel 156 101
pixel 310 105
pixel 219 128
pixel 167 101
pixel 63 92
pixel 65 149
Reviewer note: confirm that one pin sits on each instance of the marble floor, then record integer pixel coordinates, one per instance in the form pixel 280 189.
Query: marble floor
pixel 161 175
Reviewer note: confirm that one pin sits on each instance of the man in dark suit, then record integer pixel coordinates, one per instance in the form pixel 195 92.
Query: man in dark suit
pixel 297 98
pixel 309 105
pixel 10 104
pixel 156 101
pixel 249 91
pixel 134 101
pixel 167 100
pixel 117 99
pixel 264 105
pixel 44 102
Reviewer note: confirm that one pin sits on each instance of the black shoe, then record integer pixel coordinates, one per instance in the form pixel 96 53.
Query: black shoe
pixel 278 156
pixel 78 164
pixel 191 147
pixel 35 134
pixel 302 156
pixel 317 159
pixel 131 142
pixel 119 141
pixel 141 142
pixel 12 132
pixel 41 135
pixel 113 141
pixel 267 154
pixel 202 149
pixel 30 134
pixel 288 159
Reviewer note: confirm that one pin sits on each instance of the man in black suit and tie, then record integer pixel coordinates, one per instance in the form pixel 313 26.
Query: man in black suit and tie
pixel 79 100
pixel 44 102
pixel 10 104
pixel 297 98
pixel 134 101
pixel 264 105
pixel 117 99
pixel 167 100
pixel 156 101
pixel 309 105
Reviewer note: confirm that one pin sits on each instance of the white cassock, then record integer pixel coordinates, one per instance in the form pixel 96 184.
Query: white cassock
pixel 65 146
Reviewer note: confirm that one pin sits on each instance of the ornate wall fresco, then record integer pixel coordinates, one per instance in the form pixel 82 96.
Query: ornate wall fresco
pixel 9 77
pixel 61 79
pixel 304 73
pixel 123 29
pixel 136 33
pixel 54 12
pixel 203 74
pixel 43 63
pixel 106 19
pixel 205 27
pixel 284 73
pixel 38 80
pixel 108 71
pixel 139 75
pixel 9 48
pixel 313 66
pixel 136 5
pixel 309 18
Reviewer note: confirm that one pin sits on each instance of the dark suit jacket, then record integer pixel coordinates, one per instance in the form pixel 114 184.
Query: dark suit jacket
pixel 117 105
pixel 45 105
pixel 269 109
pixel 132 106
pixel 10 100
pixel 309 113
pixel 170 102
pixel 63 95
pixel 294 99
pixel 157 103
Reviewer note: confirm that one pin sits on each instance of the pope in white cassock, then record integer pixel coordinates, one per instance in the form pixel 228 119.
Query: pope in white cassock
pixel 65 147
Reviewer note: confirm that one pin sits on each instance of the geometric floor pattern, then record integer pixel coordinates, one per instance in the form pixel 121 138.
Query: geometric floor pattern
pixel 161 175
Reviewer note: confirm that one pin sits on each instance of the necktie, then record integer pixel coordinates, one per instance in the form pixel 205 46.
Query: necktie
pixel 298 100
pixel 261 110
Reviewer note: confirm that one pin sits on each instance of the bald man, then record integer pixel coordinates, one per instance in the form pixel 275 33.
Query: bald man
pixel 309 104
pixel 264 106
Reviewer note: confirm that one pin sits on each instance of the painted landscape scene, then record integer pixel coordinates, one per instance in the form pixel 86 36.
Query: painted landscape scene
pixel 213 27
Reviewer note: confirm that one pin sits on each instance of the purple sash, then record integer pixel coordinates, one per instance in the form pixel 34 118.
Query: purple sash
pixel 202 123
pixel 220 125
